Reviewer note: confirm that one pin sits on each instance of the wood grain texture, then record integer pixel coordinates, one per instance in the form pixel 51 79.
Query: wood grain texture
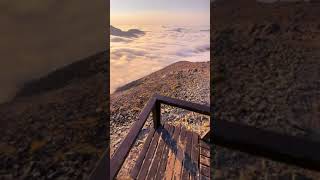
pixel 173 153
pixel 158 154
pixel 154 104
pixel 195 156
pixel 205 170
pixel 187 162
pixel 123 150
pixel 149 156
pixel 205 152
pixel 180 154
pixel 204 160
pixel 164 158
pixel 135 171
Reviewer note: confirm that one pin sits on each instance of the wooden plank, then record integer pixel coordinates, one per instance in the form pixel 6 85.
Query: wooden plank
pixel 123 150
pixel 204 160
pixel 101 170
pixel 275 146
pixel 172 154
pixel 156 113
pixel 183 132
pixel 204 144
pixel 135 171
pixel 206 137
pixel 205 170
pixel 202 177
pixel 204 152
pixel 180 154
pixel 158 153
pixel 199 108
pixel 165 153
pixel 195 156
pixel 147 160
pixel 187 164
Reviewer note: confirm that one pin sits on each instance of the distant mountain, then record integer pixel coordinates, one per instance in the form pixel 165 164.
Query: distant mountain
pixel 62 77
pixel 132 33
pixel 178 29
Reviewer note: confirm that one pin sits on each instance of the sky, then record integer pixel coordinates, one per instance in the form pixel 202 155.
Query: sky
pixel 162 12
pixel 175 30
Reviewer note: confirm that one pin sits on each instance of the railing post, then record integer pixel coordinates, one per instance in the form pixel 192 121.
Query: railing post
pixel 156 112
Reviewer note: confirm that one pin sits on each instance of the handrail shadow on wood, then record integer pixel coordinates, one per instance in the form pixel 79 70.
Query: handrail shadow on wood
pixel 279 147
pixel 153 105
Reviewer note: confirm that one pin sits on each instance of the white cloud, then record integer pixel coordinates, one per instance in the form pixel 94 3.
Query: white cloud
pixel 155 50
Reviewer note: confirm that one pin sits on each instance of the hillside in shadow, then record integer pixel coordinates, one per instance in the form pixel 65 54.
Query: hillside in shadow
pixel 56 126
pixel 265 71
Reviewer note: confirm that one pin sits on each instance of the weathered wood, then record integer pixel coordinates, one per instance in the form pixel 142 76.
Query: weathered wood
pixel 205 170
pixel 176 156
pixel 165 155
pixel 181 145
pixel 199 108
pixel 187 164
pixel 205 152
pixel 154 105
pixel 123 150
pixel 279 147
pixel 204 160
pixel 202 177
pixel 172 154
pixel 195 156
pixel 156 113
pixel 207 136
pixel 135 171
pixel 148 159
pixel 158 154
pixel 204 144
pixel 183 134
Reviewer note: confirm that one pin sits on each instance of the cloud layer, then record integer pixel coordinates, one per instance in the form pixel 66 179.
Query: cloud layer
pixel 133 58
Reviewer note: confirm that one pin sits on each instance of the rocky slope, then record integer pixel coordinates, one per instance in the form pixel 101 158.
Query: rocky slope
pixel 55 128
pixel 266 74
pixel 183 80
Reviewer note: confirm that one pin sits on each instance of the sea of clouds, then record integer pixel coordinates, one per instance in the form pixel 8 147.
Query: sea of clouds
pixel 133 57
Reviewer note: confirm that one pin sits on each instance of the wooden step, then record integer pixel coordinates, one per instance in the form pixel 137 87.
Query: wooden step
pixel 173 152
